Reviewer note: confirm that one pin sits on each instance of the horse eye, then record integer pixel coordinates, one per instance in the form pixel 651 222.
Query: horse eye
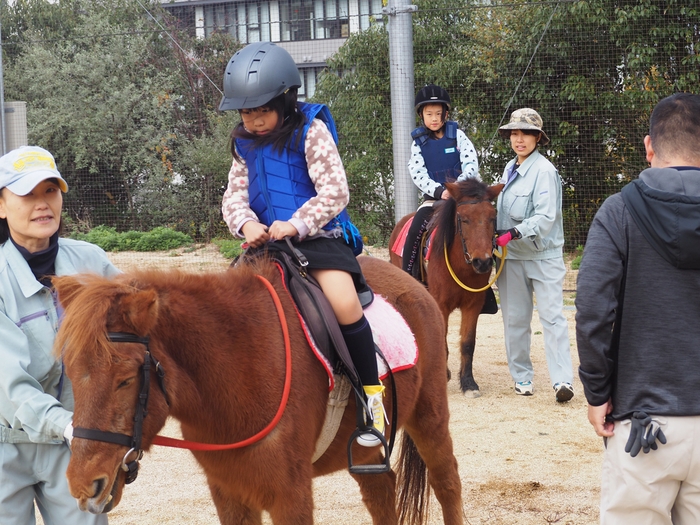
pixel 125 383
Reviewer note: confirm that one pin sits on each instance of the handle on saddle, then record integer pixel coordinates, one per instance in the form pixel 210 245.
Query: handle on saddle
pixel 301 258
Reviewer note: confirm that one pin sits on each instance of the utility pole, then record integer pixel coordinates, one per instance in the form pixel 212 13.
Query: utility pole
pixel 402 96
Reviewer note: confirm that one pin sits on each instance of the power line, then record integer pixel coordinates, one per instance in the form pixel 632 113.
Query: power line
pixel 532 57
pixel 180 48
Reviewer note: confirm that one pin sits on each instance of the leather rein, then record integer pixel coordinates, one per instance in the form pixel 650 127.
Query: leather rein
pixel 134 442
pixel 467 256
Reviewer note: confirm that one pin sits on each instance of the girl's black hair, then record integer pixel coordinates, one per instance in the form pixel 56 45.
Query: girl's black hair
pixel 445 111
pixel 292 123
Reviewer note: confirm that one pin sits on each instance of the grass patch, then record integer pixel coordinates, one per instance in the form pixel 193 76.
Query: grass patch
pixel 229 248
pixel 578 255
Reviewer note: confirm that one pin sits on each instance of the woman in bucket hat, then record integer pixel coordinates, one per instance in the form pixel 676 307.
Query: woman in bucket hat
pixel 36 400
pixel 530 221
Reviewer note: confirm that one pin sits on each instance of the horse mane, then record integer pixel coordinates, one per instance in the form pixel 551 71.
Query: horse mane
pixel 92 307
pixel 84 330
pixel 443 220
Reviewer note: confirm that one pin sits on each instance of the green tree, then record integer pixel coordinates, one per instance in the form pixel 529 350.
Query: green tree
pixel 127 109
pixel 357 91
pixel 594 69
pixel 599 70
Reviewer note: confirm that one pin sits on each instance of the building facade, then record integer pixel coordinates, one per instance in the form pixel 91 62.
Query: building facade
pixel 310 30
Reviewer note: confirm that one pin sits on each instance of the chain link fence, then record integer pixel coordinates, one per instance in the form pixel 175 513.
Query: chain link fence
pixel 125 94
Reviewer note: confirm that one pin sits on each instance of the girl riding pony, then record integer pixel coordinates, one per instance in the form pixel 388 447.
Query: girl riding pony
pixel 287 180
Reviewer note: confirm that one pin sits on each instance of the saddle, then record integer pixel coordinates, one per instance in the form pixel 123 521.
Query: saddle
pixel 419 270
pixel 318 313
pixel 322 324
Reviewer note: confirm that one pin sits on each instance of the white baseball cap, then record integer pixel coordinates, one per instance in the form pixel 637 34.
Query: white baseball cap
pixel 23 168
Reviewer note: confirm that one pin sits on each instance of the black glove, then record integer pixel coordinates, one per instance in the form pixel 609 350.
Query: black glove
pixel 503 237
pixel 643 435
pixel 639 421
pixel 650 436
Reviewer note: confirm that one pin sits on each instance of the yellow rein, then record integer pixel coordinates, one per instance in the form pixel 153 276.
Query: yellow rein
pixel 501 256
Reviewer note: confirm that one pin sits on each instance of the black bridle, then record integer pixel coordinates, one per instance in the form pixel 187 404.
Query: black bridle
pixel 133 442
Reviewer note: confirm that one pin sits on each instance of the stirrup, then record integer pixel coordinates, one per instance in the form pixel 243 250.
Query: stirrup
pixel 362 429
pixel 379 468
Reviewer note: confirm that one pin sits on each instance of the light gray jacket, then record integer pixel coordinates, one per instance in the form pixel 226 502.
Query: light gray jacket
pixel 531 202
pixel 36 399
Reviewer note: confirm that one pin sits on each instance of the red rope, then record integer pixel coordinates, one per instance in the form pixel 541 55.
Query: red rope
pixel 193 445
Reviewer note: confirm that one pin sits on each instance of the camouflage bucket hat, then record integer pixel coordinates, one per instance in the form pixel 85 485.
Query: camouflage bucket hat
pixel 524 118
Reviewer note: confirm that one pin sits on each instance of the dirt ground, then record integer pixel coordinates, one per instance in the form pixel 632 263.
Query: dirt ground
pixel 524 460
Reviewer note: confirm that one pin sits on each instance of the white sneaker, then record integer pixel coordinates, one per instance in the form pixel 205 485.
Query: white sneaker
pixel 523 388
pixel 564 392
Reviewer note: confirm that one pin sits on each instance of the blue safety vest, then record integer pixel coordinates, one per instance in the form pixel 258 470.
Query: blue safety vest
pixel 441 156
pixel 279 182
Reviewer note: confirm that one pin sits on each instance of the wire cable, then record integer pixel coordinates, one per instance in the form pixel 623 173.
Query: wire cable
pixel 179 47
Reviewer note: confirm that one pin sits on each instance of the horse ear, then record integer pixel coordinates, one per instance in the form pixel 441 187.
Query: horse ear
pixel 67 288
pixel 453 189
pixel 140 310
pixel 494 190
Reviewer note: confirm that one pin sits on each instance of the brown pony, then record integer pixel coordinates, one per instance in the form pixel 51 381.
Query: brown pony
pixel 464 227
pixel 216 344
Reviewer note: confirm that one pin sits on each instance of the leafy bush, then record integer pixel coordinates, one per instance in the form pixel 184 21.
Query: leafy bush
pixel 576 262
pixel 229 248
pixel 161 238
pixel 110 240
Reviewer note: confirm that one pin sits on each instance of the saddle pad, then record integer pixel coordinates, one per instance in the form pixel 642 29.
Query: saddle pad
pixel 397 248
pixel 429 244
pixel 391 334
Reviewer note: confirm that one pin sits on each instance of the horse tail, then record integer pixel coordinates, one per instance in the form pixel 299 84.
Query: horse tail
pixel 413 491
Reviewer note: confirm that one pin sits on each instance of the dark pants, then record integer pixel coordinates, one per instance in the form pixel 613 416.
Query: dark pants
pixel 411 249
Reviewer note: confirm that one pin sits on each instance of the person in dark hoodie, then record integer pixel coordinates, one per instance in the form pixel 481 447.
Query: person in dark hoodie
pixel 638 328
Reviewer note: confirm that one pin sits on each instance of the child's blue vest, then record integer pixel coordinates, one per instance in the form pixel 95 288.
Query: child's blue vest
pixel 279 182
pixel 441 156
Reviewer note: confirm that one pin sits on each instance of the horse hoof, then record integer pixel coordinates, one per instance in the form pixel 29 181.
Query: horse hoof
pixel 472 393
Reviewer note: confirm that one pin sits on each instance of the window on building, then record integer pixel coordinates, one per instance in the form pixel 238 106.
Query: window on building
pixel 314 19
pixel 184 17
pixel 248 21
pixel 284 20
pixel 309 79
pixel 369 9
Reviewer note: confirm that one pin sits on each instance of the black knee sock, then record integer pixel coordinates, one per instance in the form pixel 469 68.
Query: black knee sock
pixel 360 343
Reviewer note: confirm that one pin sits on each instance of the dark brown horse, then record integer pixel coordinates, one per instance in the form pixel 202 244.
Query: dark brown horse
pixel 462 252
pixel 216 349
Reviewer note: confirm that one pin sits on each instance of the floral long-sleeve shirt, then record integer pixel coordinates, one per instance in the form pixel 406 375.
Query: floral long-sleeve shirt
pixel 326 172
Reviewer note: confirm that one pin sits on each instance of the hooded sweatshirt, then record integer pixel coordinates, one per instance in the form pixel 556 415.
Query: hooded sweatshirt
pixel 642 257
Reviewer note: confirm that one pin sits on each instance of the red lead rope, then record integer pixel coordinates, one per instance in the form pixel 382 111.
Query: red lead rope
pixel 193 445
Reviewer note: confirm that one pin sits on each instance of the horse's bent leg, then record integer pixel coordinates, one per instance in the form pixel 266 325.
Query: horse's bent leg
pixel 379 495
pixel 232 512
pixel 468 341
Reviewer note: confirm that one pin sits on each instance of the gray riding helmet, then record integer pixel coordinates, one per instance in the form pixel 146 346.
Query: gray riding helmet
pixel 256 74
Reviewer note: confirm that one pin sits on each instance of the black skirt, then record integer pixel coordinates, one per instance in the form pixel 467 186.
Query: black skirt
pixel 323 253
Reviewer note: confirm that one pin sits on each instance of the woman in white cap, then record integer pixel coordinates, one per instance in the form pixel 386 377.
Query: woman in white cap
pixel 530 223
pixel 36 399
